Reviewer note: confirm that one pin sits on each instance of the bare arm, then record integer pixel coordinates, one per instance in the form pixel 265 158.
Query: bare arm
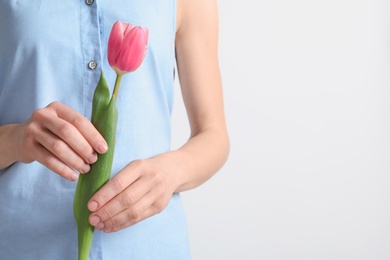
pixel 197 60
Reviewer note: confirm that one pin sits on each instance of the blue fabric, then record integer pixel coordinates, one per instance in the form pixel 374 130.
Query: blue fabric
pixel 45 48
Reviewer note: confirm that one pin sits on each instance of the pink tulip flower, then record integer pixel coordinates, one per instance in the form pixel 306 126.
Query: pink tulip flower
pixel 127 47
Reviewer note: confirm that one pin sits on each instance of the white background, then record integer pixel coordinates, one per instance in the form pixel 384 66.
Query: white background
pixel 307 92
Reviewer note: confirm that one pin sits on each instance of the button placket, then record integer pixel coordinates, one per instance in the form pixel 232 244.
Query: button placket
pixel 90 47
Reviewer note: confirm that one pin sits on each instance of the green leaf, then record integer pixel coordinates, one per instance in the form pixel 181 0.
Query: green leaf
pixel 101 98
pixel 104 118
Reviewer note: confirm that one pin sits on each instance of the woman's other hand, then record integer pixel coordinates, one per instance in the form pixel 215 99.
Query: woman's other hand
pixel 140 190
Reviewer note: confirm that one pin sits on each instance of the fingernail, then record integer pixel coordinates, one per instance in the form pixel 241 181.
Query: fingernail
pixel 94 220
pixel 102 148
pixel 85 168
pixel 92 206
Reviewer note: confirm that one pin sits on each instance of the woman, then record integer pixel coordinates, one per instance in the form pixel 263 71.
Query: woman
pixel 51 55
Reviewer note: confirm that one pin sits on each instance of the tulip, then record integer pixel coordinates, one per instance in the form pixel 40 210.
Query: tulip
pixel 127 47
pixel 126 50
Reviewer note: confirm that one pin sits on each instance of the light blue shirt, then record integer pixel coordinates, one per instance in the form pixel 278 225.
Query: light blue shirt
pixel 54 51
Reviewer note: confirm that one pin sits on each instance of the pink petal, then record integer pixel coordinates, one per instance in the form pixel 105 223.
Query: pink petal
pixel 133 49
pixel 115 43
pixel 127 27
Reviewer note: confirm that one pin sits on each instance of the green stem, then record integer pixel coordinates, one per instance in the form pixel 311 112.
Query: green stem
pixel 117 84
pixel 85 235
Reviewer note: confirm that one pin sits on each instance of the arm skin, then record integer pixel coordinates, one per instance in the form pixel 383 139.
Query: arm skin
pixel 144 187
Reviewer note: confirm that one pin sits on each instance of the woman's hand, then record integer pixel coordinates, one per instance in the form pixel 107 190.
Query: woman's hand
pixel 59 138
pixel 140 190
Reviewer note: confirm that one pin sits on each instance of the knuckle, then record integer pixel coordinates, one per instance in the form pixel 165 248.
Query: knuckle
pixel 95 137
pixel 50 161
pixel 78 163
pixel 85 150
pixel 158 207
pixel 111 222
pixel 127 199
pixel 53 105
pixel 134 214
pixel 58 147
pixel 118 183
pixel 78 121
pixel 66 130
pixel 39 114
pixel 105 214
pixel 155 176
pixel 138 164
pixel 63 171
pixel 30 131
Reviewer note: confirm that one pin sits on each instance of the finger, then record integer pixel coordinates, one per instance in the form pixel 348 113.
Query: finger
pixel 147 214
pixel 121 202
pixel 143 209
pixel 84 126
pixel 56 165
pixel 113 187
pixel 62 151
pixel 71 136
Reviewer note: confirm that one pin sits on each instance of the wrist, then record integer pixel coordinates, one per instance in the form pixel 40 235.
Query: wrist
pixel 167 165
pixel 8 145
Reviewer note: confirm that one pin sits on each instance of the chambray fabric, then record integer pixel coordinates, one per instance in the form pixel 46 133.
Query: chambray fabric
pixel 45 49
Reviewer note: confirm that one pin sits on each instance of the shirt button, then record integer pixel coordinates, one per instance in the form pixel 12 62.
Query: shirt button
pixel 92 65
pixel 89 2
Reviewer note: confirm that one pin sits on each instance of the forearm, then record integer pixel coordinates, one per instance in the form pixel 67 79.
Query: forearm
pixel 7 154
pixel 198 159
pixel 197 59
